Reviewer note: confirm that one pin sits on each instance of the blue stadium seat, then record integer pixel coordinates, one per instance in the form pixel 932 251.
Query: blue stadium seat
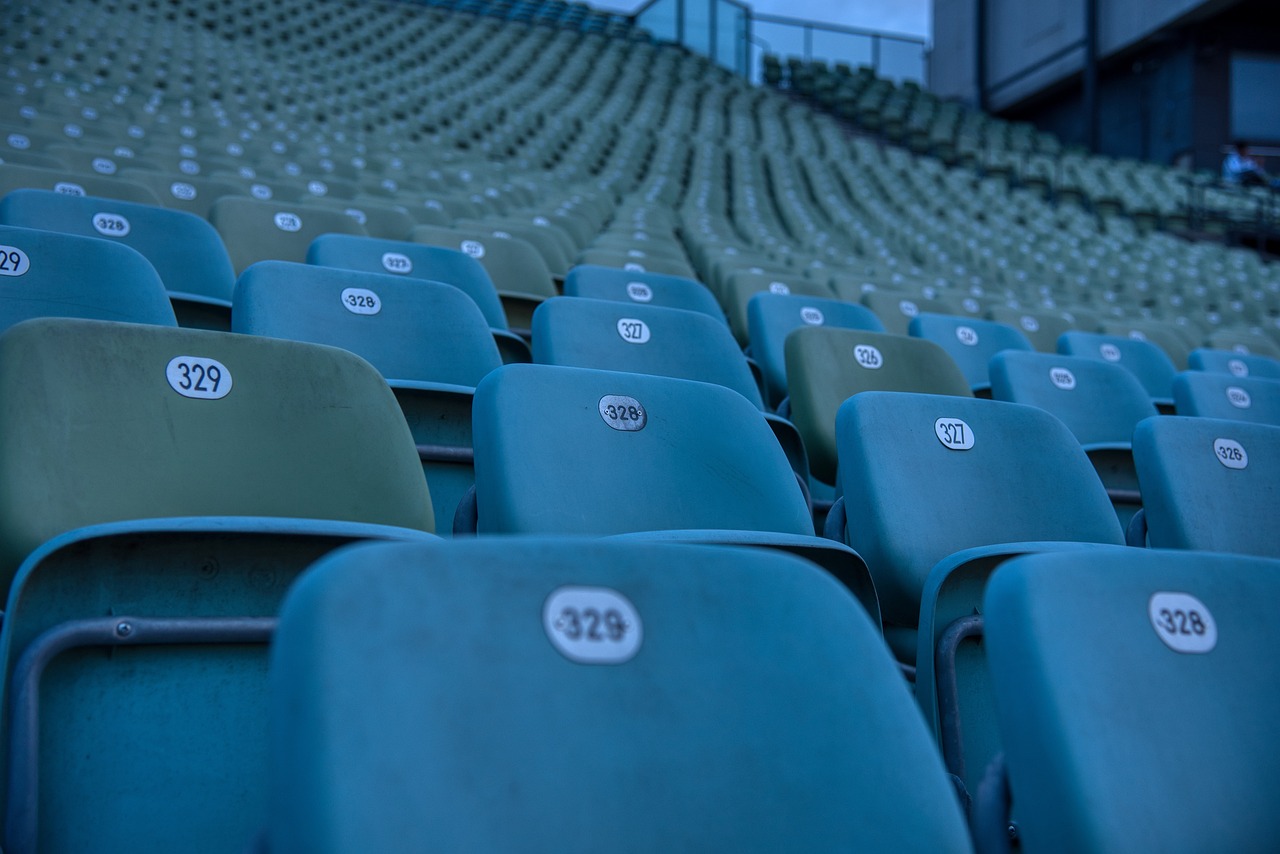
pixel 1236 364
pixel 970 342
pixel 1143 359
pixel 1210 394
pixel 596 282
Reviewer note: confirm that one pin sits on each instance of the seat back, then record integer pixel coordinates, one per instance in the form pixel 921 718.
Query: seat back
pixel 613 283
pixel 1209 484
pixel 52 274
pixel 1070 699
pixel 1040 328
pixel 654 667
pixel 772 317
pixel 259 230
pixel 1236 364
pixel 827 365
pixel 1143 359
pixel 612 336
pixel 1210 394
pixel 970 342
pixel 574 451
pixel 742 285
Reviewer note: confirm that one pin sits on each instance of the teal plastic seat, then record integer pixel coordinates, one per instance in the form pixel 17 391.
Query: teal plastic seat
pixel 421 262
pixel 1210 394
pixel 613 283
pixel 772 317
pixel 51 274
pixel 1091 739
pixel 970 342
pixel 1236 364
pixel 937 491
pixel 1100 403
pixel 155 523
pixel 742 285
pixel 1143 359
pixel 184 250
pixel 1207 484
pixel 428 339
pixel 674 675
pixel 606 453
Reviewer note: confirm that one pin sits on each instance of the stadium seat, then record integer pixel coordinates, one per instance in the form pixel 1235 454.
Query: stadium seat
pixel 183 249
pixel 747 745
pixel 1042 329
pixel 1236 364
pixel 604 453
pixel 1143 359
pixel 1100 403
pixel 741 286
pixel 1207 484
pixel 937 491
pixel 596 282
pixel 1092 744
pixel 16 176
pixel 1219 395
pixel 268 230
pixel 772 317
pixel 430 263
pixel 429 340
pixel 970 342
pixel 52 274
pixel 162 488
pixel 897 308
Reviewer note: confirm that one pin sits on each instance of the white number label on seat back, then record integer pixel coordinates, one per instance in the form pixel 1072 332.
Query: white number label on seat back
pixel 908 308
pixel 633 330
pixel 260 191
pixel 953 433
pixel 1238 397
pixel 104 166
pixel 361 301
pixel 111 225
pixel 286 221
pixel 474 248
pixel 1110 352
pixel 396 262
pixel 1062 378
pixel 967 335
pixel 639 292
pixel 592 625
pixel 1230 453
pixel 623 413
pixel 198 377
pixel 1238 368
pixel 779 288
pixel 812 316
pixel 1029 323
pixel 13 261
pixel 1183 622
pixel 868 357
pixel 182 190
pixel 69 189
pixel 633 267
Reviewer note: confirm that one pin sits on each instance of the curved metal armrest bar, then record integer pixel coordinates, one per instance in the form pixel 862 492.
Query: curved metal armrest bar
pixel 951 733
pixel 990 827
pixel 21 813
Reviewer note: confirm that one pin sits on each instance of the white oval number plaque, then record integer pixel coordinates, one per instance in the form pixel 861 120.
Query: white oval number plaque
pixel 1062 378
pixel 13 261
pixel 111 225
pixel 812 316
pixel 361 301
pixel 1239 398
pixel 592 625
pixel 623 413
pixel 868 357
pixel 1231 453
pixel 633 330
pixel 639 292
pixel 1183 622
pixel 198 377
pixel 397 262
pixel 953 433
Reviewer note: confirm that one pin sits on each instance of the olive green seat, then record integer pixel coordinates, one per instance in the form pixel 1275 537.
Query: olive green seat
pixel 742 285
pixel 14 176
pixel 1041 328
pixel 266 230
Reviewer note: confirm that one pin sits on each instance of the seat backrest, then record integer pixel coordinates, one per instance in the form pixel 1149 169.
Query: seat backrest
pixel 1217 395
pixel 742 285
pixel 970 342
pixel 596 282
pixel 897 308
pixel 827 365
pixel 1209 484
pixel 107 421
pixel 412 260
pixel 612 336
pixel 52 274
pixel 1236 364
pixel 408 329
pixel 1070 698
pixel 184 249
pixel 512 264
pixel 1040 328
pixel 656 668
pixel 258 230
pixel 925 476
pixel 1143 359
pixel 771 317
pixel 1099 402
pixel 575 451
pixel 14 176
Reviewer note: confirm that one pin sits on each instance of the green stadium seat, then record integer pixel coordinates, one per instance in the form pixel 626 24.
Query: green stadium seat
pixel 15 176
pixel 1042 329
pixel 742 285
pixel 268 230
pixel 970 342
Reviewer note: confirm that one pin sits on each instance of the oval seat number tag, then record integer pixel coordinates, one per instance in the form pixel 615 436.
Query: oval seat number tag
pixel 1062 378
pixel 111 225
pixel 1238 367
pixel 623 413
pixel 633 330
pixel 592 625
pixel 953 433
pixel 779 288
pixel 13 261
pixel 868 357
pixel 1183 622
pixel 361 301
pixel 1231 453
pixel 198 377
pixel 286 221
pixel 812 316
pixel 967 335
pixel 1029 323
pixel 1239 398
pixel 908 308
pixel 396 262
pixel 639 292
pixel 1110 352
pixel 474 248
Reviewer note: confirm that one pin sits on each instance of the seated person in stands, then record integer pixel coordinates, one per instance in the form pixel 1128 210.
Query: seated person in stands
pixel 1241 169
